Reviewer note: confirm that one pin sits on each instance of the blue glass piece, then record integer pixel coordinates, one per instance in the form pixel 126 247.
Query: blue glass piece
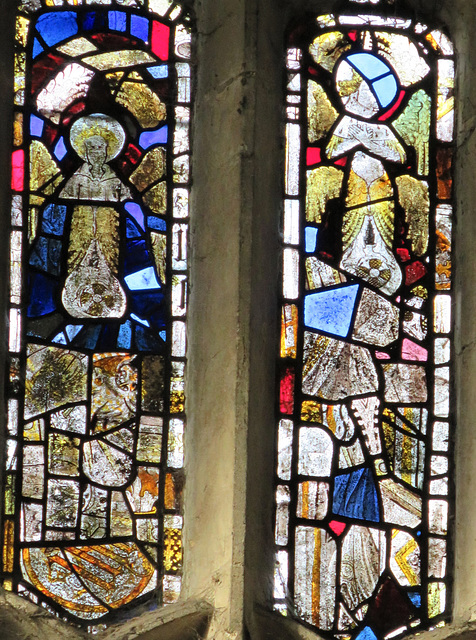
pixel 331 311
pixel 158 136
pixel 60 339
pixel 163 335
pixel 88 338
pixel 117 20
pixel 36 126
pixel 368 64
pixel 311 239
pixel 57 26
pixel 156 223
pixel 136 212
pixel 355 496
pixel 72 330
pixel 93 20
pixel 53 219
pixel 366 634
pixel 124 337
pixel 137 319
pixel 46 255
pixel 136 256
pixel 37 48
pixel 139 27
pixel 60 149
pixel 42 291
pixel 131 229
pixel 415 597
pixel 386 90
pixel 146 340
pixel 144 279
pixel 159 71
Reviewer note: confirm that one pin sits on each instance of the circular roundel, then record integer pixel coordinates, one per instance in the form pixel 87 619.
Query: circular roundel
pixel 366 84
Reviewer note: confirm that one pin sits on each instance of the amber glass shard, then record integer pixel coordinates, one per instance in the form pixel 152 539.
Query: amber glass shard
pixel 444 161
pixel 323 184
pixel 118 59
pixel 414 197
pixel 321 113
pixel 150 170
pixel 414 127
pixel 143 103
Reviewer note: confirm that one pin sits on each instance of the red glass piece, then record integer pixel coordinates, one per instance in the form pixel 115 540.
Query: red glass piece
pixel 18 163
pixel 73 110
pixel 113 40
pixel 414 272
pixel 313 155
pixel 341 163
pixel 50 134
pixel 337 527
pixel 160 40
pixel 353 35
pixel 389 610
pixel 286 394
pixel 313 71
pixel 392 110
pixel 43 68
pixel 403 254
pixel 131 158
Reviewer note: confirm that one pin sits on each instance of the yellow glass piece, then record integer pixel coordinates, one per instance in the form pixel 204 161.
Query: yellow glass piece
pixel 326 20
pixel 118 59
pixel 9 532
pixel 169 492
pixel 159 249
pixel 323 184
pixel 436 599
pixel 19 81
pixel 311 411
pixel 156 198
pixel 77 47
pixel 403 559
pixel 383 216
pixel 101 223
pixel 151 169
pixel 22 26
pixel 328 48
pixel 320 112
pixel 9 495
pixel 143 103
pixel 8 585
pixel 172 549
pixel 360 192
pixel 414 127
pixel 34 431
pixel 289 328
pixel 18 129
pixel 414 197
pixel 43 169
pixel 33 215
pixel 177 402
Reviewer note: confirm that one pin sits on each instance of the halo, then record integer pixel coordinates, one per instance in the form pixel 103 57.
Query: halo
pixel 97 124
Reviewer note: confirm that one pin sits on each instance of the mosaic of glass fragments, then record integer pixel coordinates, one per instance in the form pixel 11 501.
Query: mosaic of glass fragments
pixel 363 493
pixel 98 294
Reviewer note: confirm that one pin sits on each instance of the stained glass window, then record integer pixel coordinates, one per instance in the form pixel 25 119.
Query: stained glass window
pixel 98 299
pixel 363 473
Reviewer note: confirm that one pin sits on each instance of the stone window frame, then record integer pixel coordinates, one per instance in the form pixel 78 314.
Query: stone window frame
pixel 233 328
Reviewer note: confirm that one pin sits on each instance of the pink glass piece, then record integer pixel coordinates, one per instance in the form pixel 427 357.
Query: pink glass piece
pixel 313 156
pixel 413 351
pixel 337 527
pixel 18 161
pixel 286 395
pixel 160 40
pixel 381 355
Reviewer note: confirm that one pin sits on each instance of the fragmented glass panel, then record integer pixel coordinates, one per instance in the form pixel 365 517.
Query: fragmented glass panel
pixel 98 304
pixel 365 353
